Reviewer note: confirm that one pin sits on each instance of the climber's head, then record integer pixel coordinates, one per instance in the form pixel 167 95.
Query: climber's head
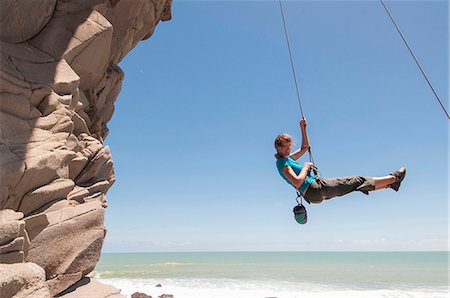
pixel 283 145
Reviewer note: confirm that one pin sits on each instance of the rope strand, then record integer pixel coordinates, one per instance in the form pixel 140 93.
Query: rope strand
pixel 311 159
pixel 292 60
pixel 415 59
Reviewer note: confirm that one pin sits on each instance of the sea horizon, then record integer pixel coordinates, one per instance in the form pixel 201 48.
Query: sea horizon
pixel 208 251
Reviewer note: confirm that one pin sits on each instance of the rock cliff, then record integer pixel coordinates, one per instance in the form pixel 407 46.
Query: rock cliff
pixel 59 80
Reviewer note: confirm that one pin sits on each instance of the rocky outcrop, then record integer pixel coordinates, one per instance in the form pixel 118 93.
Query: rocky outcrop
pixel 18 24
pixel 23 280
pixel 90 288
pixel 14 241
pixel 80 228
pixel 140 295
pixel 59 80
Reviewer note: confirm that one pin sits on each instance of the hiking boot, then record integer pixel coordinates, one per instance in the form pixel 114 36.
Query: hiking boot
pixel 399 175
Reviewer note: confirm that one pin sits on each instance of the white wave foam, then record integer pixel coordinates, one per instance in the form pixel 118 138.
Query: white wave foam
pixel 226 288
pixel 170 264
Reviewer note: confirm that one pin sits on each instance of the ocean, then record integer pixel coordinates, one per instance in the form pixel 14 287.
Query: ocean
pixel 277 274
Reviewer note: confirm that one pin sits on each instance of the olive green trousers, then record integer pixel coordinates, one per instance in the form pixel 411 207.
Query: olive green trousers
pixel 327 188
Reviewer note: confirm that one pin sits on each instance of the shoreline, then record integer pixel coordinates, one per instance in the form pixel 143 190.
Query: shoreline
pixel 248 289
pixel 275 274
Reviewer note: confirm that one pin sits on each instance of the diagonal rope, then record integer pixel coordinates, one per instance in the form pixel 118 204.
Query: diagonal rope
pixel 292 59
pixel 415 59
pixel 311 158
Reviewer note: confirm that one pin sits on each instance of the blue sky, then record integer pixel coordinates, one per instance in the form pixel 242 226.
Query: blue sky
pixel 203 99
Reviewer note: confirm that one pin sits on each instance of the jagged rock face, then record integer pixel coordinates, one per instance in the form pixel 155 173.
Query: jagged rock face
pixel 14 240
pixel 58 82
pixel 66 242
pixel 23 280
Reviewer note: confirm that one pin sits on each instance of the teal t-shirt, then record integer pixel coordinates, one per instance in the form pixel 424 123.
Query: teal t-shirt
pixel 282 162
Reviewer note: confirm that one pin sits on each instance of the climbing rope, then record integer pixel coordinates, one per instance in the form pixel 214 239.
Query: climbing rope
pixel 292 59
pixel 414 56
pixel 311 158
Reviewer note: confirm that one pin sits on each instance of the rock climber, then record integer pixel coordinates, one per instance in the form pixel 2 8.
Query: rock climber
pixel 316 189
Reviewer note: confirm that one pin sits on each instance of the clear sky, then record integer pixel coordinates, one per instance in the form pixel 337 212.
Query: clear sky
pixel 203 99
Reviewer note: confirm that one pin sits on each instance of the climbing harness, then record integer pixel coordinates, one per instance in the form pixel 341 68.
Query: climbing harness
pixel 300 213
pixel 414 56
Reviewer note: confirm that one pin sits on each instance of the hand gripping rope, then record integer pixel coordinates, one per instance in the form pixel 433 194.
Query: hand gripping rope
pixel 311 158
pixel 300 213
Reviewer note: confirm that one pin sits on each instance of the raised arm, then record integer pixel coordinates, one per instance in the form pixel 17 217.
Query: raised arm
pixel 297 180
pixel 305 143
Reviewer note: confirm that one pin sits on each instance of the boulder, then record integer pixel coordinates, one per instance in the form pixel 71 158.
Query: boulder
pixel 23 280
pixel 66 243
pixel 14 245
pixel 140 295
pixel 90 288
pixel 10 231
pixel 14 241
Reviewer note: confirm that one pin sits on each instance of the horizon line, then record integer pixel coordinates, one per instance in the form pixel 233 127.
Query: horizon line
pixel 271 251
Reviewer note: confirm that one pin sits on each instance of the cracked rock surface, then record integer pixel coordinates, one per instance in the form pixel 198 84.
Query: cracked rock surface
pixel 59 79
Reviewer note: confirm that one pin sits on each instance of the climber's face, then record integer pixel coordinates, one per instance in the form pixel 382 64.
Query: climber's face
pixel 285 149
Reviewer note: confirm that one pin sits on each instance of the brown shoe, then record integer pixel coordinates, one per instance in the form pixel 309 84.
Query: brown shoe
pixel 399 175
